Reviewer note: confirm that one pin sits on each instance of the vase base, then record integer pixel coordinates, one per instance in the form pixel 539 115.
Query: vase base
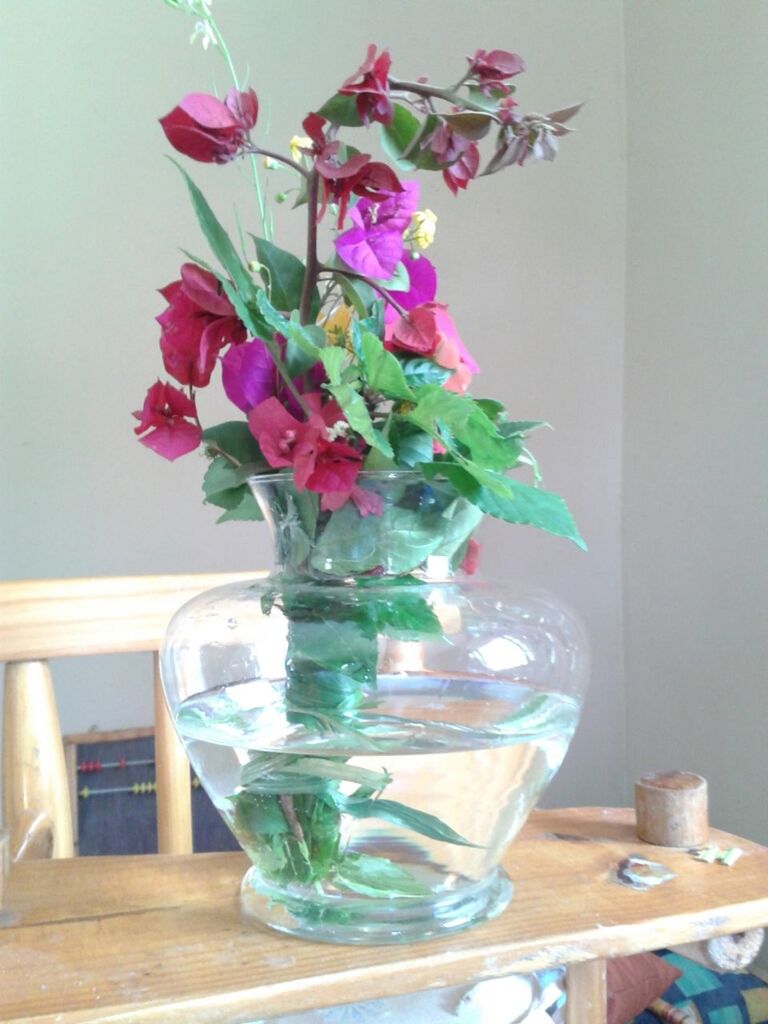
pixel 339 919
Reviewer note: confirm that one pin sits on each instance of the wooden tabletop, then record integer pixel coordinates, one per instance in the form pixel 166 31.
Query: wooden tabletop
pixel 159 938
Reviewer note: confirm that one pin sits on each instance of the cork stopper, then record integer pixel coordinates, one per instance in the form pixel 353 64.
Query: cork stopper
pixel 672 809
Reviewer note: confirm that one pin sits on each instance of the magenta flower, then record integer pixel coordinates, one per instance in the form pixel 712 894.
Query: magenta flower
pixel 199 321
pixel 374 246
pixel 170 417
pixel 372 91
pixel 205 129
pixel 248 374
pixel 491 68
pixel 422 278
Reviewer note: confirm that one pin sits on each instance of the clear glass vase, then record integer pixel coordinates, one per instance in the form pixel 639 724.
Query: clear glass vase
pixel 373 725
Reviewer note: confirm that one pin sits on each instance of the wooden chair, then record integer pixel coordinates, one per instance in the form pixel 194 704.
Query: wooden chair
pixel 42 620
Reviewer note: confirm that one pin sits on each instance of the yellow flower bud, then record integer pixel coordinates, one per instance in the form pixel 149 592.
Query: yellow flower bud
pixel 336 326
pixel 299 142
pixel 423 228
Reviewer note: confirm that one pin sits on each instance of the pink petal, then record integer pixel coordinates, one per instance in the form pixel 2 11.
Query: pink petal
pixel 174 439
pixel 207 111
pixel 204 290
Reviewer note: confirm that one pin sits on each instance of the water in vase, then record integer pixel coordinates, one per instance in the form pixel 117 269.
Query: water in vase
pixel 411 798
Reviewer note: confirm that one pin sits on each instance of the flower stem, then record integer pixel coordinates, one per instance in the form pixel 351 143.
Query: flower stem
pixel 266 224
pixel 322 269
pixel 279 158
pixel 420 89
pixel 312 265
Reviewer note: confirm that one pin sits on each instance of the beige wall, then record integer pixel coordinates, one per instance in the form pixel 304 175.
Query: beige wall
pixel 92 216
pixel 696 409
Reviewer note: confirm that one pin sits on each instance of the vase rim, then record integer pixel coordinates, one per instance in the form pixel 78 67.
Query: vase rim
pixel 363 474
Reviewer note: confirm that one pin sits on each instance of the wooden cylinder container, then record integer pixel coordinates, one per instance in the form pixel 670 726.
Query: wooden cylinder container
pixel 672 809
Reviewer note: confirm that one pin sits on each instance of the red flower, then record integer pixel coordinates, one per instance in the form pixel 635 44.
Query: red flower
pixel 166 409
pixel 319 464
pixel 205 129
pixel 199 322
pixel 358 174
pixel 460 174
pixel 490 68
pixel 471 559
pixel 372 91
pixel 460 157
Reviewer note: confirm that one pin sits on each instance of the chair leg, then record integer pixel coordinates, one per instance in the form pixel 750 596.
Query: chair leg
pixel 174 795
pixel 586 993
pixel 35 793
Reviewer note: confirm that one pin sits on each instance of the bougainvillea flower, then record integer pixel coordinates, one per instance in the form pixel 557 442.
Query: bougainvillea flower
pixel 459 174
pixel 170 417
pixel 248 374
pixel 429 331
pixel 372 91
pixel 422 278
pixel 341 178
pixel 199 321
pixel 373 250
pixel 328 467
pixel 205 129
pixel 471 560
pixel 446 144
pixel 491 68
pixel 374 245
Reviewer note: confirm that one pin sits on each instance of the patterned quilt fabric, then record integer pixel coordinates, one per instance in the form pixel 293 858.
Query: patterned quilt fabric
pixel 713 998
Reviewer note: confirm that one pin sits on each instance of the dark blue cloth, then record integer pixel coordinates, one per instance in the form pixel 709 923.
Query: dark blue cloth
pixel 123 823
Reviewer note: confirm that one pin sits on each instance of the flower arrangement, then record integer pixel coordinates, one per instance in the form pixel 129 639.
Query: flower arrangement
pixel 351 360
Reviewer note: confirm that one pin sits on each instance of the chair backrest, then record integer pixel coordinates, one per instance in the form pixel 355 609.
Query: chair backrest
pixel 46 619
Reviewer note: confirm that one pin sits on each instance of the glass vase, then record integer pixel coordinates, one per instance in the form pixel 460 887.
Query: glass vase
pixel 373 725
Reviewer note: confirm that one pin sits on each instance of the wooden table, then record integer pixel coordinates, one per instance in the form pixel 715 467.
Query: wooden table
pixel 159 938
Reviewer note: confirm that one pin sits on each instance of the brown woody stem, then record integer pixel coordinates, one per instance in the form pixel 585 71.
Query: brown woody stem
pixel 312 265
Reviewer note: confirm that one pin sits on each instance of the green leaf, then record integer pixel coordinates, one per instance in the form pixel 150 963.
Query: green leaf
pixel 383 372
pixel 520 428
pixel 470 123
pixel 325 768
pixel 424 371
pixel 259 815
pixel 220 477
pixel 219 240
pixel 234 438
pixel 303 342
pixel 398 135
pixel 377 876
pixel 223 486
pixel 358 417
pixel 283 274
pixel 246 509
pixel 333 358
pixel 510 500
pixel 400 281
pixel 458 420
pixel 411 445
pixel 401 538
pixel 341 110
pixel 358 294
pixel 398 814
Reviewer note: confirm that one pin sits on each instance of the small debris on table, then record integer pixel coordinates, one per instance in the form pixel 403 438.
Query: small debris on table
pixel 712 854
pixel 641 874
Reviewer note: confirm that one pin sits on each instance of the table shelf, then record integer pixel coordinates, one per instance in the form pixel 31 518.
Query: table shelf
pixel 160 938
